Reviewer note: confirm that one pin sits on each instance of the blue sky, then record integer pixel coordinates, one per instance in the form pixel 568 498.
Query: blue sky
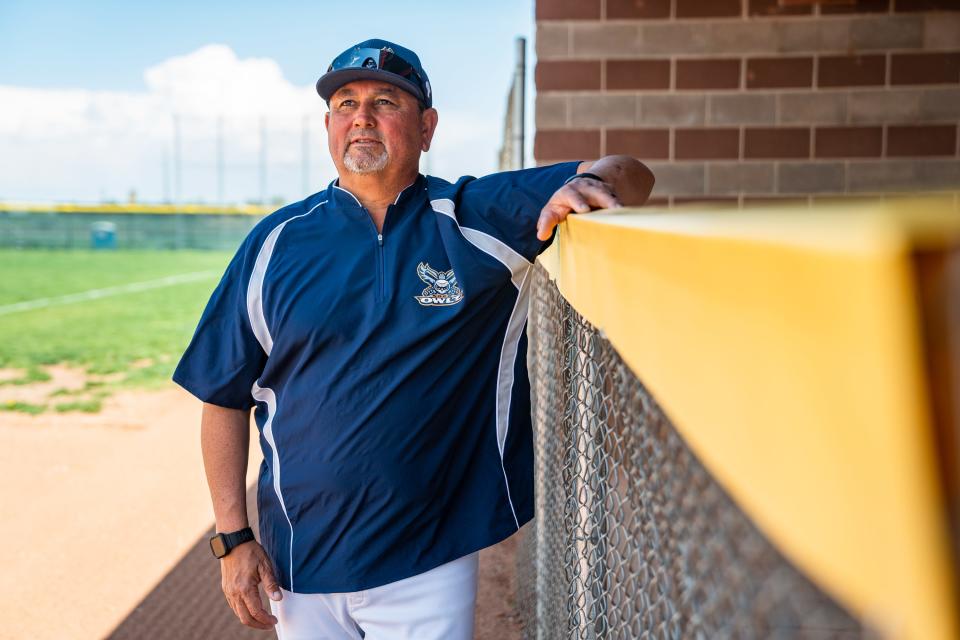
pixel 98 52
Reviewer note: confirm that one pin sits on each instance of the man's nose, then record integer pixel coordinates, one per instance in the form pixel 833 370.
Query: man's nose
pixel 364 117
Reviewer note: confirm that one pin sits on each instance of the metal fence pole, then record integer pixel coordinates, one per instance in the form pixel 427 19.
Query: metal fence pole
pixel 519 104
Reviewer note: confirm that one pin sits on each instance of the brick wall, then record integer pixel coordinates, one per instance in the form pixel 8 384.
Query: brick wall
pixel 743 100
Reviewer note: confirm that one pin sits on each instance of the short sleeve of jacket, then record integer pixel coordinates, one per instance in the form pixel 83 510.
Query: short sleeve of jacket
pixel 509 203
pixel 224 358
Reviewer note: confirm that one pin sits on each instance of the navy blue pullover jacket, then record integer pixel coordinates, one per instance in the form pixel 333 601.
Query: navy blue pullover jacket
pixel 387 371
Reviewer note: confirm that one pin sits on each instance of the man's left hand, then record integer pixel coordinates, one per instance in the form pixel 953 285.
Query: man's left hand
pixel 579 196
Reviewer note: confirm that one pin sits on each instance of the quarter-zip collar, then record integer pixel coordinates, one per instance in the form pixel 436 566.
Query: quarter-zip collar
pixel 344 198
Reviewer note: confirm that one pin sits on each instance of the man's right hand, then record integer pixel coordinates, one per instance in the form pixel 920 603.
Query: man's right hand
pixel 242 570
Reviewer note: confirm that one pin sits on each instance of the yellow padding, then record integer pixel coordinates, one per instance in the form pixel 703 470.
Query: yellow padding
pixel 118 208
pixel 784 345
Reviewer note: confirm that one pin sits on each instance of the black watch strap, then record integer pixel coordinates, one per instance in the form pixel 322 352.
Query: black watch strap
pixel 223 543
pixel 583 175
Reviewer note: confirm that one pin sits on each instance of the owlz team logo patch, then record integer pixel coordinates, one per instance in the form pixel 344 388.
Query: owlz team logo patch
pixel 442 289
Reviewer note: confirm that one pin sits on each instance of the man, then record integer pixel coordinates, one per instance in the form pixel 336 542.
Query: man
pixel 377 327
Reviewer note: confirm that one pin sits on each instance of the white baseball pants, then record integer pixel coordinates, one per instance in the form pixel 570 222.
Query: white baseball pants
pixel 434 605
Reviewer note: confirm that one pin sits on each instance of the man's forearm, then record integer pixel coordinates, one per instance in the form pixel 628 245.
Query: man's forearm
pixel 629 178
pixel 225 442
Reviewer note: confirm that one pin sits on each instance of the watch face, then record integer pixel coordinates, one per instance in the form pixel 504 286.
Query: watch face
pixel 217 546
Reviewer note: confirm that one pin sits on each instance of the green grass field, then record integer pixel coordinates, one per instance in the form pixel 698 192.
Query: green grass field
pixel 126 339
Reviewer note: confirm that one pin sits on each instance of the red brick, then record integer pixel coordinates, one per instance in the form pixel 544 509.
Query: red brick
pixel 568 9
pixel 638 74
pixel 926 5
pixel 708 8
pixel 760 201
pixel 706 144
pixel 635 9
pixel 568 75
pixel 705 200
pixel 639 143
pixel 856 6
pixel 708 74
pixel 777 8
pixel 925 68
pixel 570 144
pixel 768 73
pixel 922 140
pixel 848 142
pixel 845 198
pixel 852 71
pixel 784 142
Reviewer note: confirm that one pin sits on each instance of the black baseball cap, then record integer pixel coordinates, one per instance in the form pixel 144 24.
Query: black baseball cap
pixel 377 60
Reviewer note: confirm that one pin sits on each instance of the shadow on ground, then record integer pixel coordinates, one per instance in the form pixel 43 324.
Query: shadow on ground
pixel 187 604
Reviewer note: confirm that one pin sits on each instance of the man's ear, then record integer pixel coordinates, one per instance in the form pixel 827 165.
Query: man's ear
pixel 428 125
pixel 326 121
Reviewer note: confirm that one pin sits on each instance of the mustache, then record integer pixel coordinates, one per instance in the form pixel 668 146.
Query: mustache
pixel 370 135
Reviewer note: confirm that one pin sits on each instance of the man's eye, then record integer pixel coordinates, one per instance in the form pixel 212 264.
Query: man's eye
pixel 347 103
pixel 383 101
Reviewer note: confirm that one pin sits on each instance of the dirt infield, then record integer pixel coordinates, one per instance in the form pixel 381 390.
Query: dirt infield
pixel 106 518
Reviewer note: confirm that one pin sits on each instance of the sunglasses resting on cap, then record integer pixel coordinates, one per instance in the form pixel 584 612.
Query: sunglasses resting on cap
pixel 377 60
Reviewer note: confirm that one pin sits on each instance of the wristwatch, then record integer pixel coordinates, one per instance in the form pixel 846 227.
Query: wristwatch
pixel 583 175
pixel 223 543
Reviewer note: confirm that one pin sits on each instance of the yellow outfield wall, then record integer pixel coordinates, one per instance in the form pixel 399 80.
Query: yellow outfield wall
pixel 120 208
pixel 784 345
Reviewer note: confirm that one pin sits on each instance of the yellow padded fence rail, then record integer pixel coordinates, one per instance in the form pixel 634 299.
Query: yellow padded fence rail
pixel 784 344
pixel 133 209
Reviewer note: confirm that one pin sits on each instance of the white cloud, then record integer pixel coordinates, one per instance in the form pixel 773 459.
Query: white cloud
pixel 81 145
pixel 213 81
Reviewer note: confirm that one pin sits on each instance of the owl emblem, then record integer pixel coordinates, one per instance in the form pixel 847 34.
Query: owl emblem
pixel 442 289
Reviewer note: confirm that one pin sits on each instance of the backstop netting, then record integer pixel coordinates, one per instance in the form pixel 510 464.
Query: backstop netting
pixel 633 538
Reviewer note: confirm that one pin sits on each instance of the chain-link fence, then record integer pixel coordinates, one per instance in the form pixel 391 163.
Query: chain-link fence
pixel 633 538
pixel 52 230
